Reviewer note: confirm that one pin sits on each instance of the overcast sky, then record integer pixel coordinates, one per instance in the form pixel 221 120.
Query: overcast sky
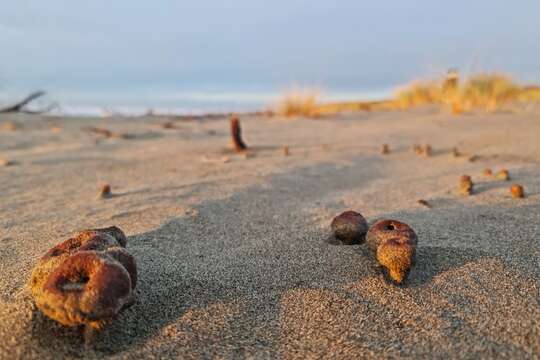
pixel 102 44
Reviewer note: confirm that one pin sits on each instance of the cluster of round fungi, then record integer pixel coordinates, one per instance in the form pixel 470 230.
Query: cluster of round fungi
pixel 85 280
pixel 392 242
pixel 466 185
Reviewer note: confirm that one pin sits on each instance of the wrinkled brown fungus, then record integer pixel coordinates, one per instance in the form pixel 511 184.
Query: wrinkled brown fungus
pixel 85 280
pixel 397 256
pixel 394 245
pixel 88 288
pixel 349 227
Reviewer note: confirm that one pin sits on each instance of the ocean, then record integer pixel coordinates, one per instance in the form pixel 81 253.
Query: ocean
pixel 131 102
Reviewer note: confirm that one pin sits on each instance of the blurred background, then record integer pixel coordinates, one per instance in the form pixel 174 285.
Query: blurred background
pixel 205 56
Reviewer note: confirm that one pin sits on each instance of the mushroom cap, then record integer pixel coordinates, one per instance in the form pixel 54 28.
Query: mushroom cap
pixel 517 191
pixel 86 279
pixel 385 229
pixel 349 227
pixel 85 240
pixel 465 178
pixel 115 232
pixel 503 175
pixel 126 260
pixel 89 287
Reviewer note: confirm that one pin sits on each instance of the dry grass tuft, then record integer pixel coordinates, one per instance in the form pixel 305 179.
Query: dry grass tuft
pixel 487 91
pixel 418 93
pixel 299 102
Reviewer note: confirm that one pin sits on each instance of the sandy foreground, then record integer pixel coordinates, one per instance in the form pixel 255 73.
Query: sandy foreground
pixel 234 258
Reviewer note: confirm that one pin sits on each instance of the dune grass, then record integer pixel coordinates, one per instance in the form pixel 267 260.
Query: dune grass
pixel 485 91
pixel 299 102
pixel 482 91
pixel 305 102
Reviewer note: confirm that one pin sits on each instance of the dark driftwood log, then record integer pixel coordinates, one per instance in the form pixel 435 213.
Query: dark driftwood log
pixel 19 107
pixel 236 135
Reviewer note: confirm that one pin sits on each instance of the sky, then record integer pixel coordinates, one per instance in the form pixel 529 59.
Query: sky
pixel 163 46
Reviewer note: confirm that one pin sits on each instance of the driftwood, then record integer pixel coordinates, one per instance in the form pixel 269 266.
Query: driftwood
pixel 236 135
pixel 100 131
pixel 20 106
pixel 106 133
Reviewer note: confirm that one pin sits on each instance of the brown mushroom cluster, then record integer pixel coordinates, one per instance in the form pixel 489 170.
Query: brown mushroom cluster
pixel 392 242
pixel 422 150
pixel 87 279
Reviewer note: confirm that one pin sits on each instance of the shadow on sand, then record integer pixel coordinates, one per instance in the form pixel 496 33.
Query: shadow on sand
pixel 249 250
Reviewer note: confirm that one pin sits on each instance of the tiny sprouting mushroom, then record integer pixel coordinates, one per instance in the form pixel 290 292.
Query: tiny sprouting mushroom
pixel 105 191
pixel 455 152
pixel 487 172
pixel 236 135
pixel 385 149
pixel 4 162
pixel 503 175
pixel 426 150
pixel 168 125
pixel 422 150
pixel 465 185
pixel 349 227
pixel 517 191
pixel 56 129
pixel 394 245
pixel 286 151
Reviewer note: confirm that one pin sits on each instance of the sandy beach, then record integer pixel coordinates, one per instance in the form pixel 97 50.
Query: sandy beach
pixel 234 252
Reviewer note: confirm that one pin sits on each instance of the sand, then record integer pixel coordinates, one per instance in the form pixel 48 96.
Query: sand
pixel 234 254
